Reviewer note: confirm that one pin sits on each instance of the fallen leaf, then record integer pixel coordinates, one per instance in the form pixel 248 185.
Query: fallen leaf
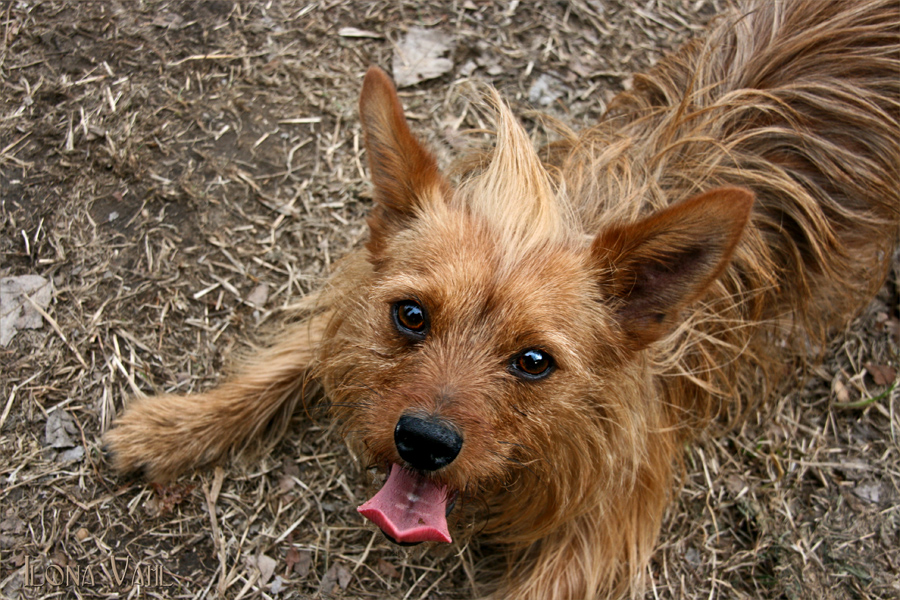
pixel 259 295
pixel 266 566
pixel 882 374
pixel 168 21
pixel 387 569
pixel 420 55
pixel 16 312
pixel 290 468
pixel 71 455
pixel 291 558
pixel 870 492
pixel 734 484
pixel 286 484
pixel 302 564
pixel 840 390
pixel 545 90
pixel 59 430
pixel 12 524
pixel 336 575
pixel 344 576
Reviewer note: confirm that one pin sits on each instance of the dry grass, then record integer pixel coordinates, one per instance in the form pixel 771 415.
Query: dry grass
pixel 183 172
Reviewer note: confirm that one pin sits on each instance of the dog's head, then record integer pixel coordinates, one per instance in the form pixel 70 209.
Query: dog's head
pixel 492 351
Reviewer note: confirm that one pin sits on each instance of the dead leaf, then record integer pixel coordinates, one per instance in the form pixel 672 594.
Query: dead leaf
pixel 840 390
pixel 300 562
pixel 420 55
pixel 734 484
pixel 545 90
pixel 344 576
pixel 387 569
pixel 290 468
pixel 266 566
pixel 16 312
pixel 882 374
pixel 291 558
pixel 168 21
pixel 12 524
pixel 336 575
pixel 870 492
pixel 259 295
pixel 71 455
pixel 285 484
pixel 59 429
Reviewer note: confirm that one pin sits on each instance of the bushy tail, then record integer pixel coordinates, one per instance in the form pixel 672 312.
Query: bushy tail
pixel 799 102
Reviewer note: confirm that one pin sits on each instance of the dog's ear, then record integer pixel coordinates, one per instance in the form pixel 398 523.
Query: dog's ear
pixel 653 268
pixel 404 174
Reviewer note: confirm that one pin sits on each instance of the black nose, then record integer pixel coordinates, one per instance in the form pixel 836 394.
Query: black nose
pixel 426 444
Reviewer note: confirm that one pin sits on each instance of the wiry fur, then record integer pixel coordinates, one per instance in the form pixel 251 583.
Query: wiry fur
pixel 629 252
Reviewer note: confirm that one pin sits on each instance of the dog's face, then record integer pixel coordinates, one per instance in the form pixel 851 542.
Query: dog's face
pixel 476 356
pixel 493 354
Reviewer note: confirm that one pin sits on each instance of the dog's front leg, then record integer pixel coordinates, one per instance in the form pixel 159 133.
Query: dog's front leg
pixel 164 436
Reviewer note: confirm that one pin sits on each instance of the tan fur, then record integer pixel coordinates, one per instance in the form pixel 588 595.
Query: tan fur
pixel 741 200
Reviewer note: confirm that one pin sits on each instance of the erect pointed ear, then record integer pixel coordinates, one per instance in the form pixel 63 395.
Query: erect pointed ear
pixel 654 267
pixel 405 175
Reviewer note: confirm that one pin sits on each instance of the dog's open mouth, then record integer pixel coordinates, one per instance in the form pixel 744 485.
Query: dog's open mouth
pixel 410 508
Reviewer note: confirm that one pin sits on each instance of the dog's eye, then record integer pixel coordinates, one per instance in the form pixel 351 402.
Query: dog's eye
pixel 532 364
pixel 410 319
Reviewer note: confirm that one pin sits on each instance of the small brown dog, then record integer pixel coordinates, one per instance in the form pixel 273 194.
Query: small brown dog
pixel 523 348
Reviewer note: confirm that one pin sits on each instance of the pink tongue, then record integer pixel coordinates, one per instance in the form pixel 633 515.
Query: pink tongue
pixel 409 508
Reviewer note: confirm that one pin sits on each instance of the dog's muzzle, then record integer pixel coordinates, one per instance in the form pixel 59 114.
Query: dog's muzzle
pixel 411 507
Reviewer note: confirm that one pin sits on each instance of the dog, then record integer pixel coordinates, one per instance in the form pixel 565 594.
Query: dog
pixel 524 345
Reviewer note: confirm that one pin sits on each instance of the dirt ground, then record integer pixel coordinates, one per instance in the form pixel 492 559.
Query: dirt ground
pixel 185 172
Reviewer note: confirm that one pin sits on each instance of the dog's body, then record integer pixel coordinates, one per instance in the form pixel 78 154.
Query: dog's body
pixel 527 349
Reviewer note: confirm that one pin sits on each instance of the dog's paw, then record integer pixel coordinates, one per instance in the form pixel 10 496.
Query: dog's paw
pixel 123 456
pixel 160 438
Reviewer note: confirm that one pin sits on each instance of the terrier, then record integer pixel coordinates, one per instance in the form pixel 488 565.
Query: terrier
pixel 523 348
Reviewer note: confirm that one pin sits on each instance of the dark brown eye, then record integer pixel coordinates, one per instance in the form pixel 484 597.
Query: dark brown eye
pixel 532 364
pixel 410 319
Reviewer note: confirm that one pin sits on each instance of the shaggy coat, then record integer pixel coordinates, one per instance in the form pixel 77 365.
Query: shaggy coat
pixel 740 202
